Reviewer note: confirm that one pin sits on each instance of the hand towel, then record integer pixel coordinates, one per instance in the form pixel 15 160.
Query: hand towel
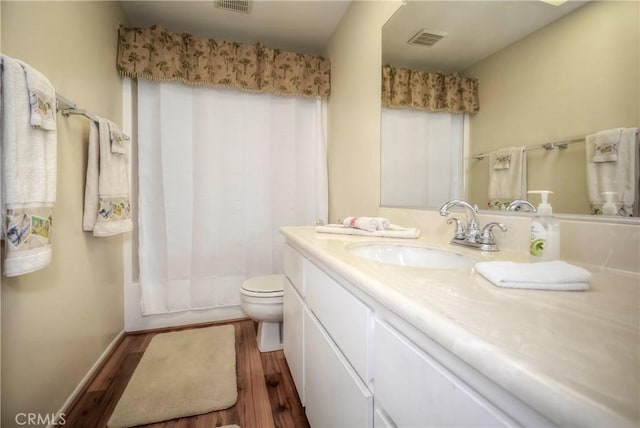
pixel 367 223
pixel 620 176
pixel 28 175
pixel 502 161
pixel 507 175
pixel 555 275
pixel 42 99
pixel 392 232
pixel 606 145
pixel 117 139
pixel 107 208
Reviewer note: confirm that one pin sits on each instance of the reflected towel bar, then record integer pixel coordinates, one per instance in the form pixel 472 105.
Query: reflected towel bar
pixel 547 146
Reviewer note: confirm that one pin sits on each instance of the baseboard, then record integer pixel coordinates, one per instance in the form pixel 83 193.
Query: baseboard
pixel 88 377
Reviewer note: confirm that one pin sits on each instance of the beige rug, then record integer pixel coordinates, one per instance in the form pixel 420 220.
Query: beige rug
pixel 182 373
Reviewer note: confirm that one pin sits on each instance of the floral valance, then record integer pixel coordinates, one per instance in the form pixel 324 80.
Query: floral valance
pixel 157 54
pixel 403 88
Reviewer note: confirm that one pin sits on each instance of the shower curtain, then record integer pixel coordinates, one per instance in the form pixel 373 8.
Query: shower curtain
pixel 220 171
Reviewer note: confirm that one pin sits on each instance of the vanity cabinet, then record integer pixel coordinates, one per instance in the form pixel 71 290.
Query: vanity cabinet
pixel 335 395
pixel 416 390
pixel 355 364
pixel 293 335
pixel 328 362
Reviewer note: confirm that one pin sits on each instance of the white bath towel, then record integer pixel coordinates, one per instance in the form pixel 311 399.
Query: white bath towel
pixel 620 176
pixel 554 275
pixel 367 223
pixel 42 99
pixel 392 231
pixel 107 207
pixel 28 176
pixel 507 174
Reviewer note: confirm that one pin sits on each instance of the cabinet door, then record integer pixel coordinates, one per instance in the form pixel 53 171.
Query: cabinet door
pixel 415 390
pixel 292 263
pixel 293 338
pixel 343 316
pixel 335 396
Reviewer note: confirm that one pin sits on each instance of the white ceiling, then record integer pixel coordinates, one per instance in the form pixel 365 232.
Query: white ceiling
pixel 298 26
pixel 475 30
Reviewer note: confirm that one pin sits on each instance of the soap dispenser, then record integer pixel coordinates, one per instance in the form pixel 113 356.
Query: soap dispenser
pixel 545 231
pixel 609 208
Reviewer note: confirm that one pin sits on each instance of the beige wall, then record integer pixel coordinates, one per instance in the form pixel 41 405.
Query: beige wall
pixel 58 321
pixel 574 77
pixel 354 109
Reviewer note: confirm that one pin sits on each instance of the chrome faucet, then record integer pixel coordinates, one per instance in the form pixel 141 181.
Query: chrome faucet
pixel 515 205
pixel 471 235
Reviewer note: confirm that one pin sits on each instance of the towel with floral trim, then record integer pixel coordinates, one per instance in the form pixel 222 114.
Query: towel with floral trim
pixel 28 169
pixel 107 206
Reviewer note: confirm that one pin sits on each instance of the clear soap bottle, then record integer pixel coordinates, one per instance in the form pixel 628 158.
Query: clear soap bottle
pixel 545 231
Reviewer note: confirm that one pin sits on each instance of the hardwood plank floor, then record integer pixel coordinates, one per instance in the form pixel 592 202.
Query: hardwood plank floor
pixel 266 393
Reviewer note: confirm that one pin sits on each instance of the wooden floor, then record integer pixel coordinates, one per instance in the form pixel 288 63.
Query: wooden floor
pixel 266 394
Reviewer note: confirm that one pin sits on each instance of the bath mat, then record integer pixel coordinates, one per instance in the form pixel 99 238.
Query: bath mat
pixel 182 373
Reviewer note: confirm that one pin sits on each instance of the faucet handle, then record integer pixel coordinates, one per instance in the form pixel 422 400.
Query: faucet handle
pixel 486 235
pixel 460 231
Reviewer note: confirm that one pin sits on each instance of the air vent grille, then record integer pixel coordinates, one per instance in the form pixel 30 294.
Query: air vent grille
pixel 427 37
pixel 240 6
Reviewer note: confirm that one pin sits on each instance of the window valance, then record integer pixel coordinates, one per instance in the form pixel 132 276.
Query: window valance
pixel 403 88
pixel 157 54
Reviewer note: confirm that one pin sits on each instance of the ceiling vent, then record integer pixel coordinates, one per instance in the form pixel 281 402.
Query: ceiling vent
pixel 427 37
pixel 240 6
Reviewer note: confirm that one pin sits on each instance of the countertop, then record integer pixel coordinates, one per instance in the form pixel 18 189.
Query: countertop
pixel 571 355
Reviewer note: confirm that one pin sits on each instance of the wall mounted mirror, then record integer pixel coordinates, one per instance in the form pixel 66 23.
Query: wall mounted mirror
pixel 546 74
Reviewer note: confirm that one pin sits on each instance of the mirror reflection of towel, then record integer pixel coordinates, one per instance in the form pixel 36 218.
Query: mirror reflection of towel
pixel 502 161
pixel 606 145
pixel 620 176
pixel 510 182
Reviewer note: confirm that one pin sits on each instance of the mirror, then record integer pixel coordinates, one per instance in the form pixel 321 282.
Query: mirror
pixel 546 74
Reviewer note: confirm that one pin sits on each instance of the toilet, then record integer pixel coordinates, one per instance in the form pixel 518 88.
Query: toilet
pixel 261 299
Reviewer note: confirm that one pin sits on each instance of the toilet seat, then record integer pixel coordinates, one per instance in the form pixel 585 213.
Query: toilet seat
pixel 263 286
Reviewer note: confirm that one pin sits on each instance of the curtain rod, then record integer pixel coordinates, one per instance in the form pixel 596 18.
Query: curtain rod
pixel 547 146
pixel 69 107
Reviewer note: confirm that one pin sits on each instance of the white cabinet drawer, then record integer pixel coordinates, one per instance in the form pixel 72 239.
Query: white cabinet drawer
pixel 334 395
pixel 416 391
pixel 344 317
pixel 293 336
pixel 292 264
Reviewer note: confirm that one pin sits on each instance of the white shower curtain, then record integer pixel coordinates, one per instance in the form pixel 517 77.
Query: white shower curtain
pixel 220 171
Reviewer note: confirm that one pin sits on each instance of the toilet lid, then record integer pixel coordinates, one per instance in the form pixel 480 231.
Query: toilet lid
pixel 264 285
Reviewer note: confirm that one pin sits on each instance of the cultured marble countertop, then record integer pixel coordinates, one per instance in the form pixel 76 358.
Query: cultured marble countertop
pixel 571 355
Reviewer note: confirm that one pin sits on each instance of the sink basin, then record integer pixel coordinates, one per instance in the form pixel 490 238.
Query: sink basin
pixel 407 255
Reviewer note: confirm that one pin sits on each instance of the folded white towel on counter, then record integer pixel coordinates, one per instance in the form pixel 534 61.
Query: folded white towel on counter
pixel 28 174
pixel 507 174
pixel 367 223
pixel 555 275
pixel 107 208
pixel 393 231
